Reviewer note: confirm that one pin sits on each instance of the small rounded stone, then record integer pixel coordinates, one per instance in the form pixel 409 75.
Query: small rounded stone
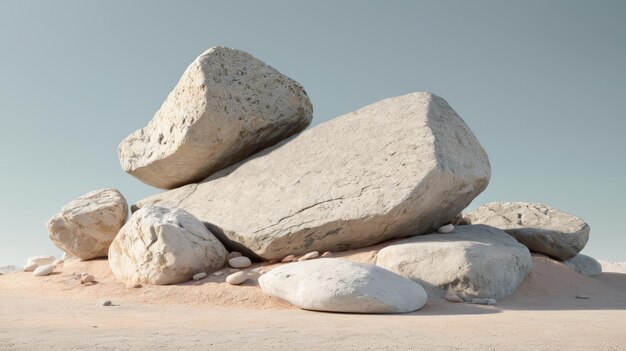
pixel 233 255
pixel 237 278
pixel 106 303
pixel 43 270
pixel 240 262
pixel 199 276
pixel 289 258
pixel 446 229
pixel 310 255
pixel 87 279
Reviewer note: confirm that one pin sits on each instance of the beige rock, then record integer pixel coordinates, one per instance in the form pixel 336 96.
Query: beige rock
pixel 31 267
pixel 226 106
pixel 337 285
pixel 199 276
pixel 39 260
pixel 87 225
pixel 399 167
pixel 288 258
pixel 327 254
pixel 237 278
pixel 159 246
pixel 239 262
pixel 87 279
pixel 476 261
pixel 541 228
pixel 43 270
pixel 308 256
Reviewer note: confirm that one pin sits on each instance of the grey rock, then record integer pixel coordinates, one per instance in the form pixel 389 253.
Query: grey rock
pixel 399 167
pixel 476 261
pixel 226 106
pixel 337 285
pixel 542 229
pixel 159 246
pixel 585 265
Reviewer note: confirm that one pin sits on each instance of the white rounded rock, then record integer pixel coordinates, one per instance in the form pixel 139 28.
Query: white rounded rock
pixel 162 246
pixel 40 260
pixel 199 276
pixel 288 258
pixel 87 279
pixel 44 270
pixel 309 256
pixel 240 262
pixel 446 229
pixel 337 285
pixel 218 273
pixel 31 267
pixel 237 278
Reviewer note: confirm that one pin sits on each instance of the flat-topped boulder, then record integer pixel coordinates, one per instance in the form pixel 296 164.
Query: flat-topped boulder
pixel 226 106
pixel 399 167
pixel 541 228
pixel 87 225
pixel 475 261
pixel 337 285
pixel 159 246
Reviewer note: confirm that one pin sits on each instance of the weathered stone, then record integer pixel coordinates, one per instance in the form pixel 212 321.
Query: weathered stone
pixel 233 254
pixel 237 278
pixel 43 270
pixel 159 246
pixel 585 265
pixel 476 261
pixel 39 260
pixel 309 256
pixel 199 276
pixel 446 229
pixel 337 285
pixel 226 106
pixel 239 262
pixel 87 279
pixel 541 228
pixel 288 258
pixel 87 225
pixel 399 167
pixel 31 267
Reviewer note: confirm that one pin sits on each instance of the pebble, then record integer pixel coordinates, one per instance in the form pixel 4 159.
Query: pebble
pixel 446 229
pixel 452 297
pixel 40 260
pixel 289 258
pixel 233 255
pixel 87 279
pixel 218 273
pixel 199 276
pixel 31 267
pixel 237 278
pixel 106 303
pixel 44 270
pixel 310 255
pixel 583 297
pixel 240 262
pixel 489 302
pixel 327 254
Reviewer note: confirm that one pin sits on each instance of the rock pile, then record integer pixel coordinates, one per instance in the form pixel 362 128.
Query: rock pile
pixel 243 179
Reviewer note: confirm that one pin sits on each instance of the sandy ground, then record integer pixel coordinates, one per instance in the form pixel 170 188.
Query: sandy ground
pixel 543 314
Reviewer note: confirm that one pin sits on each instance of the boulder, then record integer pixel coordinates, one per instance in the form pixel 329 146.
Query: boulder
pixel 542 229
pixel 585 265
pixel 226 106
pixel 159 246
pixel 399 167
pixel 337 285
pixel 87 225
pixel 476 261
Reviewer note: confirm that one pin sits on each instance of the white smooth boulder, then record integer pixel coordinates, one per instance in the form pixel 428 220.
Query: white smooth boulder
pixel 585 264
pixel 43 270
pixel 399 167
pixel 476 261
pixel 542 229
pixel 226 106
pixel 87 225
pixel 159 246
pixel 337 285
pixel 39 260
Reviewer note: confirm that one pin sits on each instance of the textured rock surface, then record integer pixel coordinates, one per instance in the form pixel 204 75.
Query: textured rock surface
pixel 541 228
pixel 159 246
pixel 399 167
pixel 337 285
pixel 476 261
pixel 585 265
pixel 87 225
pixel 226 106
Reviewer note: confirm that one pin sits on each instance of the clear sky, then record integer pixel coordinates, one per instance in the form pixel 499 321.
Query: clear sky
pixel 541 83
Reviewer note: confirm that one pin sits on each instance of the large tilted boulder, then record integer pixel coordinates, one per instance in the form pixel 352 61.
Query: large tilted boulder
pixel 542 229
pixel 399 167
pixel 475 261
pixel 226 106
pixel 337 285
pixel 159 246
pixel 87 225
pixel 585 264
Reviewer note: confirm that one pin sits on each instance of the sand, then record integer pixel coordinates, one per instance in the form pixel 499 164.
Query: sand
pixel 543 314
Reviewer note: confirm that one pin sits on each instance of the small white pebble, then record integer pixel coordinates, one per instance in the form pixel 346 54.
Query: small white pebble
pixel 44 270
pixel 106 303
pixel 327 254
pixel 31 267
pixel 310 255
pixel 237 278
pixel 446 229
pixel 199 276
pixel 218 273
pixel 233 255
pixel 289 258
pixel 240 262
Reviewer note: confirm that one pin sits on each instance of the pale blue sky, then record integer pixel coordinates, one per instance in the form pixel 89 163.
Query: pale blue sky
pixel 541 83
